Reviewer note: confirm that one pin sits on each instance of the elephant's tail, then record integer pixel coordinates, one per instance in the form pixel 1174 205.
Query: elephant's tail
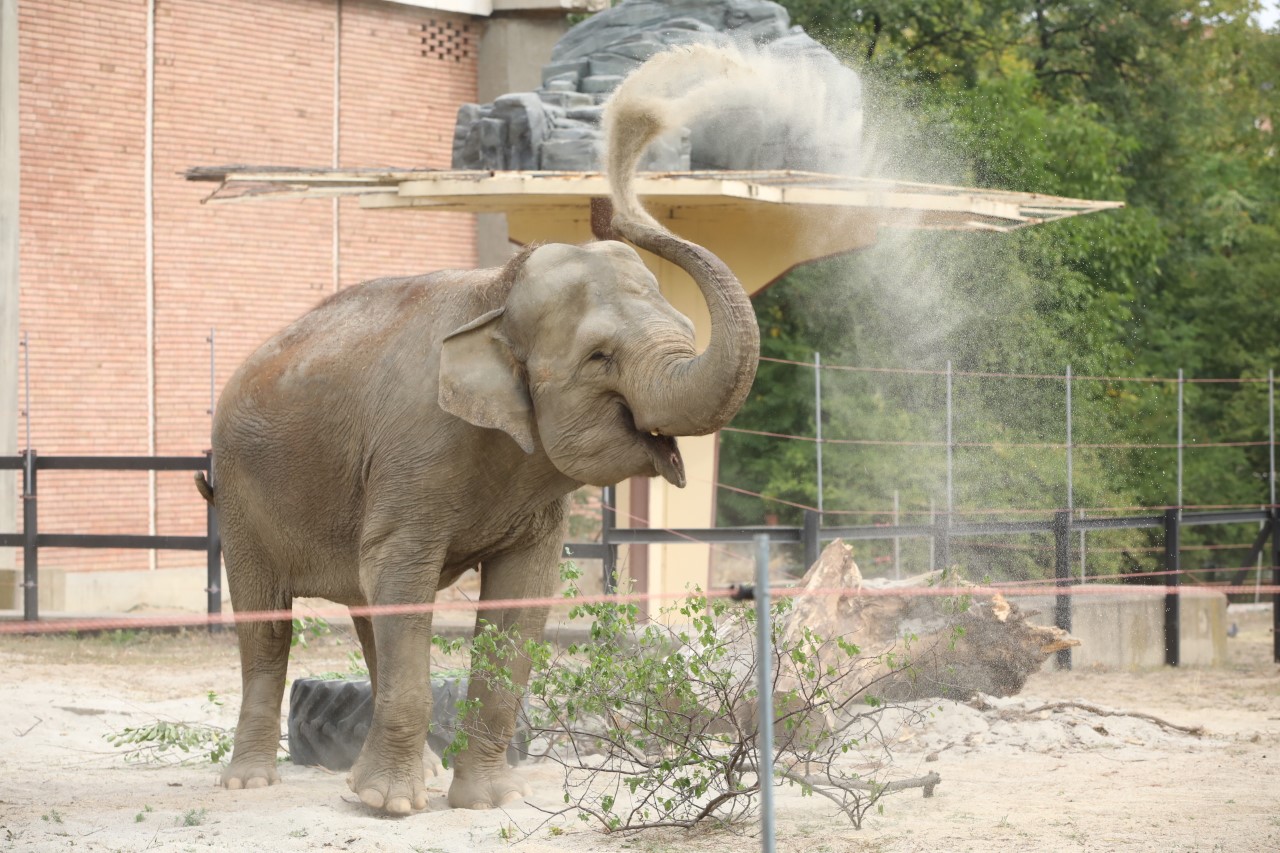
pixel 203 487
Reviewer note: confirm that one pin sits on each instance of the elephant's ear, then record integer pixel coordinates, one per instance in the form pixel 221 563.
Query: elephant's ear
pixel 480 381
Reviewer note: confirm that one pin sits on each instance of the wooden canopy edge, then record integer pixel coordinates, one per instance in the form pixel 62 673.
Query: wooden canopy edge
pixel 934 205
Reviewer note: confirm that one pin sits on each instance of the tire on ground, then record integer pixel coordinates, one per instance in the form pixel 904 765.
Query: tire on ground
pixel 329 718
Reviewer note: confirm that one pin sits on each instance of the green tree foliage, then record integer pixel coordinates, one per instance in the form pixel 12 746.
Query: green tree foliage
pixel 1165 105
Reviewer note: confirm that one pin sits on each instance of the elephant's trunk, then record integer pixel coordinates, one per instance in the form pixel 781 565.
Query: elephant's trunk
pixel 702 394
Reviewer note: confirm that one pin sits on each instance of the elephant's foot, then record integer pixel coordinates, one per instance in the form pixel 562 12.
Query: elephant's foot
pixel 394 787
pixel 487 790
pixel 250 773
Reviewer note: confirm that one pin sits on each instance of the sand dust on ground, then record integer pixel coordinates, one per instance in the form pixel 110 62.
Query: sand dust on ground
pixel 1013 777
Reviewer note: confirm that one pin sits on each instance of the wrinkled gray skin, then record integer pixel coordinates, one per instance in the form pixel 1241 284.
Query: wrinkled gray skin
pixel 407 430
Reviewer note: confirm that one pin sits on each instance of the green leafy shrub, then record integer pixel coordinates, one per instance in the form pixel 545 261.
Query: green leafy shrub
pixel 655 723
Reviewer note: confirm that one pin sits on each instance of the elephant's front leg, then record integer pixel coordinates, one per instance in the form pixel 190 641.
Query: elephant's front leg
pixel 482 778
pixel 388 775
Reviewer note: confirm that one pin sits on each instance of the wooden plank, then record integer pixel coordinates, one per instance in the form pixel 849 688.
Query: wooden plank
pixel 903 204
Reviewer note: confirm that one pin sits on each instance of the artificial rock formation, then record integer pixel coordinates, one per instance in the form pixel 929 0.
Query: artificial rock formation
pixel 557 127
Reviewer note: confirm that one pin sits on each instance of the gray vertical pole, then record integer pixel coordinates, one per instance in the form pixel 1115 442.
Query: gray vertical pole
pixel 608 521
pixel 897 543
pixel 1179 436
pixel 213 366
pixel 812 536
pixel 1070 478
pixel 1271 431
pixel 1172 565
pixel 213 554
pixel 944 551
pixel 1082 543
pixel 1275 517
pixel 933 538
pixel 1275 596
pixel 30 537
pixel 950 505
pixel 1062 576
pixel 764 670
pixel 1257 578
pixel 1275 513
pixel 26 386
pixel 213 557
pixel 817 417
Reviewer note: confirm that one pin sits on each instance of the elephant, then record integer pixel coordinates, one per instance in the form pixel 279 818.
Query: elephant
pixel 407 430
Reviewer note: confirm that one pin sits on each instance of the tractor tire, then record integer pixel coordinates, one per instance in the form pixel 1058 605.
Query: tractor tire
pixel 329 719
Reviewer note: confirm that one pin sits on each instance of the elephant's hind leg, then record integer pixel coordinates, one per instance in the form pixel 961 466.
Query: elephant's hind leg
pixel 264 657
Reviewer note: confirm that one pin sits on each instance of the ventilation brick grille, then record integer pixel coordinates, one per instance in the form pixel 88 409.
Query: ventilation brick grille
pixel 446 41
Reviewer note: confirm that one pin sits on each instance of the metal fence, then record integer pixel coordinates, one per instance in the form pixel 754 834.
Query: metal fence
pixel 31 540
pixel 811 534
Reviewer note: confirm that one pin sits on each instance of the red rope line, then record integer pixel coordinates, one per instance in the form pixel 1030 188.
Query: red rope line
pixel 1013 589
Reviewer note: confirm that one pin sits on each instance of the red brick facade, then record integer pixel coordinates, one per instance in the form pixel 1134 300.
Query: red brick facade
pixel 235 82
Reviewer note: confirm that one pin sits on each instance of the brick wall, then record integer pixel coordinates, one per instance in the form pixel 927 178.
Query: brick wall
pixel 82 300
pixel 406 124
pixel 235 82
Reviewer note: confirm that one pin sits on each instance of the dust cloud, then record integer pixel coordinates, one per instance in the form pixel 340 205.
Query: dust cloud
pixel 915 298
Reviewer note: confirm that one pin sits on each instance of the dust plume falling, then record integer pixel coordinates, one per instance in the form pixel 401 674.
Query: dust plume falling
pixel 665 94
pixel 912 298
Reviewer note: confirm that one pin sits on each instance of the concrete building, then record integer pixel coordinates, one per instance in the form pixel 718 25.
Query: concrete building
pixel 112 272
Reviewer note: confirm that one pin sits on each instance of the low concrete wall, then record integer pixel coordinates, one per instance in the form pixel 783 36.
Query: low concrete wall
pixel 1125 630
pixel 115 592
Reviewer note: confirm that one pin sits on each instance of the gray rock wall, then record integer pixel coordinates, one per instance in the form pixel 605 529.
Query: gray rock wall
pixel 557 127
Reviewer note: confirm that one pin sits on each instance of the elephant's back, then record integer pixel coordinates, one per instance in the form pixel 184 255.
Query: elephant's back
pixel 312 398
pixel 349 346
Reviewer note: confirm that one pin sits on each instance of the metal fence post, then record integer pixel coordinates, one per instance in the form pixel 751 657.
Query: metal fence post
pixel 764 698
pixel 1180 386
pixel 1071 500
pixel 950 451
pixel 1062 575
pixel 939 541
pixel 1172 565
pixel 608 521
pixel 26 386
pixel 1271 435
pixel 811 537
pixel 1275 513
pixel 212 341
pixel 897 543
pixel 1275 580
pixel 817 419
pixel 30 535
pixel 213 552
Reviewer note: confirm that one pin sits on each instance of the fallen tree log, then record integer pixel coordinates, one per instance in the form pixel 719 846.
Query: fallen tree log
pixel 924 644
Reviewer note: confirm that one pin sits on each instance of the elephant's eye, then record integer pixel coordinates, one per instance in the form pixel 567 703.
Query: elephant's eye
pixel 600 355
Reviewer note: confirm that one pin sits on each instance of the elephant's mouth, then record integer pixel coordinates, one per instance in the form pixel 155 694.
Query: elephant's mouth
pixel 662 451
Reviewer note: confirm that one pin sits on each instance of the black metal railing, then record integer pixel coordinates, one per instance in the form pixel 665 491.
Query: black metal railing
pixel 811 534
pixel 1061 525
pixel 31 540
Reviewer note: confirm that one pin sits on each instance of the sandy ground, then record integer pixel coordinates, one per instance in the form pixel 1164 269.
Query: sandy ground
pixel 1052 780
